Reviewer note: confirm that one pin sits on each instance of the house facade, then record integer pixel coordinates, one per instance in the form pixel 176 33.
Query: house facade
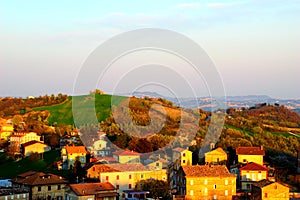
pixel 41 186
pixel 91 191
pixel 250 154
pixel 206 182
pixel 267 190
pixel 70 154
pixel 216 156
pixel 126 156
pixel 252 173
pixel 8 193
pixel 34 147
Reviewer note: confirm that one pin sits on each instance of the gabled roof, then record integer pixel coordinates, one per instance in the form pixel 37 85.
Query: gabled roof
pixel 250 151
pixel 120 167
pixel 84 189
pixel 76 149
pixel 178 149
pixel 33 142
pixel 207 171
pixel 219 150
pixel 262 183
pixel 254 167
pixel 126 153
pixel 38 178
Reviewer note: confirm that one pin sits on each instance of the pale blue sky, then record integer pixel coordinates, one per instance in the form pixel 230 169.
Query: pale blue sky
pixel 255 44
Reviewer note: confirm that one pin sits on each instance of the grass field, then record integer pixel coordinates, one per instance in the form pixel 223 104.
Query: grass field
pixel 86 107
pixel 10 168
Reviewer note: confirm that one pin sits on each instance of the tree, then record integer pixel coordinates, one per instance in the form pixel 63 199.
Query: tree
pixel 157 188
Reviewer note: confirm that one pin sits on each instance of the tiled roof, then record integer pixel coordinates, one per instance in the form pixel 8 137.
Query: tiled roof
pixel 84 189
pixel 178 149
pixel 250 151
pixel 120 167
pixel 32 142
pixel 254 167
pixel 262 183
pixel 38 178
pixel 76 149
pixel 126 153
pixel 206 171
pixel 219 150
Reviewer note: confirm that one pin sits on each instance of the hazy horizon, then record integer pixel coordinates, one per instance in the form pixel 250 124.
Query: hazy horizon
pixel 254 44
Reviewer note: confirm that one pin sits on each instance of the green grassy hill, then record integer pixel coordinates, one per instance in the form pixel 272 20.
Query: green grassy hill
pixel 63 114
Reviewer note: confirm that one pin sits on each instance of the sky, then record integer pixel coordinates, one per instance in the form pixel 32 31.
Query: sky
pixel 254 44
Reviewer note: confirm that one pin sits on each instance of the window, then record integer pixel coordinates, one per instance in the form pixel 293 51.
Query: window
pixel 106 178
pixel 248 186
pixel 205 190
pixel 259 176
pixel 226 182
pixel 215 197
pixel 117 177
pixel 129 176
pixel 183 155
pixel 11 196
pixel 205 182
pixel 183 161
pixel 247 176
pixel 191 192
pixel 5 197
pixel 226 192
pixel 244 160
pixel 142 175
pixel 275 187
pixel 266 195
pixel 117 187
pixel 253 177
pixel 18 196
pixel 39 188
pixel 24 195
pixel 58 187
pixel 49 188
pixel 191 182
pixel 129 186
pixel 93 169
pixel 157 164
pixel 215 186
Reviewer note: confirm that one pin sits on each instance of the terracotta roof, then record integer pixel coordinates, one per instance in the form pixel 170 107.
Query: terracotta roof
pixel 207 171
pixel 250 151
pixel 76 149
pixel 219 149
pixel 126 153
pixel 84 189
pixel 178 149
pixel 32 142
pixel 254 167
pixel 120 167
pixel 38 178
pixel 262 183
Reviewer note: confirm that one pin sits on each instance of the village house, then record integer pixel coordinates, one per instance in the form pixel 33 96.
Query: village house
pixel 34 147
pixel 8 193
pixel 250 174
pixel 41 186
pixel 180 157
pixel 16 139
pixel 267 190
pixel 91 191
pixel 126 156
pixel 70 154
pixel 216 156
pixel 250 154
pixel 6 130
pixel 206 182
pixel 124 176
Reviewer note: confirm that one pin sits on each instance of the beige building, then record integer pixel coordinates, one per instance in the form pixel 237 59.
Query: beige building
pixel 252 173
pixel 126 156
pixel 34 147
pixel 91 191
pixel 206 182
pixel 41 185
pixel 250 154
pixel 124 176
pixel 267 190
pixel 20 138
pixel 216 156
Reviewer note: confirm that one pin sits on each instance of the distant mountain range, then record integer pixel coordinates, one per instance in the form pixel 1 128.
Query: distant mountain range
pixel 207 103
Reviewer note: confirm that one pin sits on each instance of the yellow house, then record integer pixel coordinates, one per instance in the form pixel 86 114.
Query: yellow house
pixel 6 130
pixel 34 147
pixel 92 191
pixel 124 176
pixel 250 154
pixel 251 173
pixel 126 156
pixel 216 156
pixel 16 139
pixel 267 190
pixel 206 182
pixel 183 155
pixel 72 153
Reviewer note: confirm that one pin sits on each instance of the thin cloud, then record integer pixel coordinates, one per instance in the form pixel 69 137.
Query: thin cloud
pixel 219 4
pixel 189 5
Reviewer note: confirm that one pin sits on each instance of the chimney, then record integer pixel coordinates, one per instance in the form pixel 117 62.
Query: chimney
pixel 83 191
